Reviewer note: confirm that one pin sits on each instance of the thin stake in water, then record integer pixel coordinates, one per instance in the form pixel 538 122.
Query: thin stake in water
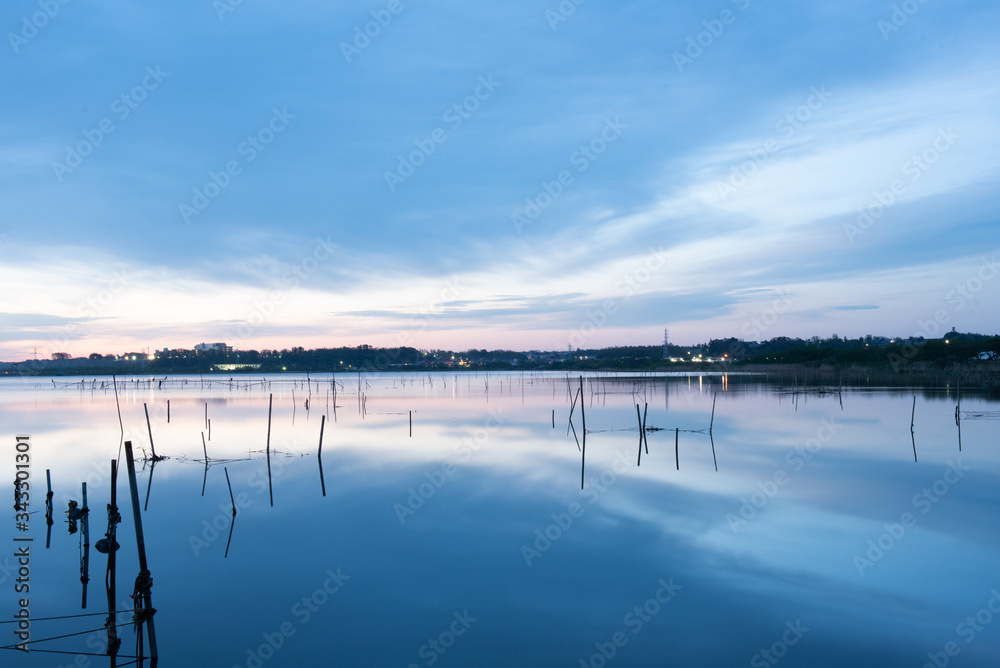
pixel 319 455
pixel 677 452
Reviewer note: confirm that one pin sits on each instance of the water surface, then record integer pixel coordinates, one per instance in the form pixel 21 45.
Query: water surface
pixel 807 528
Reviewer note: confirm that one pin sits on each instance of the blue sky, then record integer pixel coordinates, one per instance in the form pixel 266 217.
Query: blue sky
pixel 519 175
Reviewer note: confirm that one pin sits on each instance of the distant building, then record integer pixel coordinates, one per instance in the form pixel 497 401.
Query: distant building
pixel 213 347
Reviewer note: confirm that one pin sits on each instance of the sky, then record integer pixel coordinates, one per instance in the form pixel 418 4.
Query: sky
pixel 518 175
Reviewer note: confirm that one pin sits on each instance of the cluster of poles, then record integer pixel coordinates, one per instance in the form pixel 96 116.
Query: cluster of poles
pixel 142 611
pixel 577 399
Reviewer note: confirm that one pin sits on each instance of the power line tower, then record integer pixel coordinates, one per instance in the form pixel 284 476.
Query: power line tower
pixel 666 352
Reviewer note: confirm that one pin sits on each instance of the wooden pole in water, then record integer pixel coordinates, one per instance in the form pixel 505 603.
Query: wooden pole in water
pixel 638 460
pixel 85 574
pixel 112 570
pixel 141 547
pixel 149 485
pixel 230 485
pixel 583 413
pixel 553 418
pixel 270 488
pixel 204 478
pixel 270 402
pixel 714 460
pixel 48 509
pixel 150 429
pixel 232 522
pixel 411 424
pixel 913 413
pixel 319 455
pixel 677 452
pixel 168 411
pixel 712 421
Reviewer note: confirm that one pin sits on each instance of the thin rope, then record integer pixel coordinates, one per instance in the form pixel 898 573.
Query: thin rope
pixel 46 619
pixel 68 635
pixel 58 651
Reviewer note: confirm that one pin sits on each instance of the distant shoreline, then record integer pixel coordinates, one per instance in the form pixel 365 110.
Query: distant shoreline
pixel 967 375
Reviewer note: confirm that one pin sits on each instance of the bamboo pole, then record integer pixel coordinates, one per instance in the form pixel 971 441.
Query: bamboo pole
pixel 270 403
pixel 714 460
pixel 112 575
pixel 150 429
pixel 270 487
pixel 712 421
pixel 141 547
pixel 232 522
pixel 319 455
pixel 85 566
pixel 677 452
pixel 204 449
pixel 48 509
pixel 638 460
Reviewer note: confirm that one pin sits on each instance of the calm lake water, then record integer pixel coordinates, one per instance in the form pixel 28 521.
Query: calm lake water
pixel 808 528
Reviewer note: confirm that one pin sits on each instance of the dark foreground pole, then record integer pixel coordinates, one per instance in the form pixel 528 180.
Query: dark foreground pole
pixel 141 546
